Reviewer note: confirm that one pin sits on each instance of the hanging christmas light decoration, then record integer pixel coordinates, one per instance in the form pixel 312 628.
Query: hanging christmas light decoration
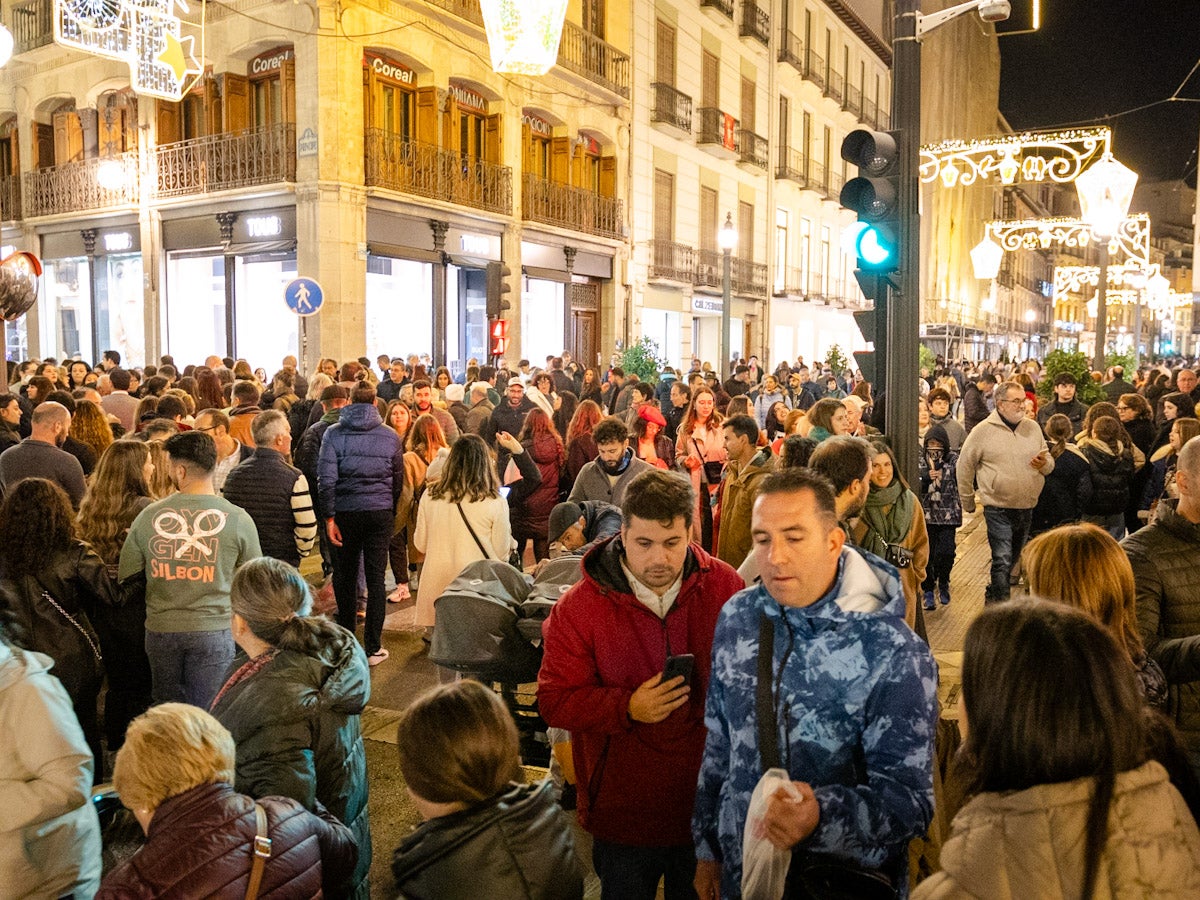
pixel 523 35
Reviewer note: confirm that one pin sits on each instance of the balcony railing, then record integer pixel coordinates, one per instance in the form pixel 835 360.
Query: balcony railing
pixel 748 277
pixel 834 85
pixel 76 186
pixel 756 22
pixel 709 269
pixel 425 170
pixel 791 50
pixel 789 282
pixel 464 9
pixel 852 101
pixel 10 198
pixel 221 162
pixel 570 207
pixel 719 128
pixel 752 149
pixel 792 166
pixel 869 111
pixel 724 7
pixel 671 107
pixel 818 178
pixel 32 24
pixel 585 54
pixel 671 261
pixel 814 68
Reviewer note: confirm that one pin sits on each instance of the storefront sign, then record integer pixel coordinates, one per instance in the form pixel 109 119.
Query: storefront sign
pixel 118 242
pixel 590 145
pixel 537 125
pixel 703 303
pixel 467 99
pixel 307 143
pixel 270 62
pixel 475 245
pixel 264 226
pixel 388 69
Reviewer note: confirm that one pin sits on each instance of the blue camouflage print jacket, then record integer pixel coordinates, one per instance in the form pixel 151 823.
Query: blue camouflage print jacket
pixel 857 714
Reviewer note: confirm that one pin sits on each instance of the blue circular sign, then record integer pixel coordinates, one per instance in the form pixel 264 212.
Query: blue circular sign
pixel 304 296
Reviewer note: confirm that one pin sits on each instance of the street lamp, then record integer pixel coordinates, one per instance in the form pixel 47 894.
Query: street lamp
pixel 1105 191
pixel 985 259
pixel 1030 317
pixel 727 238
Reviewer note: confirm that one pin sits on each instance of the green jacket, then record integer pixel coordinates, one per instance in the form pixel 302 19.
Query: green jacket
pixel 296 726
pixel 738 493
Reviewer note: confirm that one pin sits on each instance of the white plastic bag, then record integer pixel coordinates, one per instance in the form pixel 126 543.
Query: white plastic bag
pixel 764 866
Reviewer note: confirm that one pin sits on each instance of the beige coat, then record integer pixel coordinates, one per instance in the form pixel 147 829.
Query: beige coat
pixel 917 540
pixel 448 546
pixel 1029 845
pixel 712 445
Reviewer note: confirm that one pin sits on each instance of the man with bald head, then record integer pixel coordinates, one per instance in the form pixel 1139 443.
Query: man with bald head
pixel 41 455
pixel 1165 556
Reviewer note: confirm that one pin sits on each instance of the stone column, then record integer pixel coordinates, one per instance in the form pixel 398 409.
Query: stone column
pixel 438 351
pixel 568 342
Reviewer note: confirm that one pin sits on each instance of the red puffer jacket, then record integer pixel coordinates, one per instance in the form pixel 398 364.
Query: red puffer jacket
pixel 201 844
pixel 637 782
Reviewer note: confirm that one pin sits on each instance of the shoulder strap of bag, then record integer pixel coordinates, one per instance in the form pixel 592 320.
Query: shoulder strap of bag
pixel 768 738
pixel 478 542
pixel 262 852
pixel 75 623
pixel 699 452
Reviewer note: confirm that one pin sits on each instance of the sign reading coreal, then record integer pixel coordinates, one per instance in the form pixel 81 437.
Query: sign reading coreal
pixel 145 34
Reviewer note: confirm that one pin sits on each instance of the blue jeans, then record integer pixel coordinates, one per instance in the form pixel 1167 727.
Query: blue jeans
pixel 189 666
pixel 1007 531
pixel 633 873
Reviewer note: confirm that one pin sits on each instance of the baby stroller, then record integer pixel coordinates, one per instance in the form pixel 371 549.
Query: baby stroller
pixel 488 625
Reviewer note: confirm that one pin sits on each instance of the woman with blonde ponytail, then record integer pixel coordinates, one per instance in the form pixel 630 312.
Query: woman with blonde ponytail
pixel 294 700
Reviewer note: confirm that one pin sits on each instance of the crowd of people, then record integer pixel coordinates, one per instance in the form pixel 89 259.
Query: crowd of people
pixel 754 577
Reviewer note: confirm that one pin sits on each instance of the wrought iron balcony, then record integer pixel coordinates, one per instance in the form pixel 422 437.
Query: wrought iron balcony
pixel 834 85
pixel 818 178
pixel 76 186
pixel 221 162
pixel 792 166
pixel 10 198
pixel 748 277
pixel 791 50
pixel 464 9
pixel 756 22
pixel 869 111
pixel 752 149
pixel 585 54
pixel 709 271
pixel 671 107
pixel 570 207
pixel 789 282
pixel 718 132
pixel 724 7
pixel 32 23
pixel 670 261
pixel 852 101
pixel 425 170
pixel 814 68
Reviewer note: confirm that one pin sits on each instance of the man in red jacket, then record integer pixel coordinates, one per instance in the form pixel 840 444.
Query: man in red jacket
pixel 646 595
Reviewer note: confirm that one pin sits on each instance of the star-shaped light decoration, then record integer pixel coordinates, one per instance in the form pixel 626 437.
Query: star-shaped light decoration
pixel 179 60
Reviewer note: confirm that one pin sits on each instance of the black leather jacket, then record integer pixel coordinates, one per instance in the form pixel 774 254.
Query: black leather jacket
pixel 517 845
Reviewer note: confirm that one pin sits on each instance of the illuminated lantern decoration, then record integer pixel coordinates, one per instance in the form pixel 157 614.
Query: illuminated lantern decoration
pixel 1105 191
pixel 523 35
pixel 986 258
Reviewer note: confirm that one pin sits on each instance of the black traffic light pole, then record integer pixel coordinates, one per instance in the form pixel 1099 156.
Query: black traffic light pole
pixel 904 310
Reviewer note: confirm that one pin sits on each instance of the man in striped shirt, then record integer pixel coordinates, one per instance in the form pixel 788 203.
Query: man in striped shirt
pixel 274 492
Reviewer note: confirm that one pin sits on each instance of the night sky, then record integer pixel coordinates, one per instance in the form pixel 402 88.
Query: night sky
pixel 1097 58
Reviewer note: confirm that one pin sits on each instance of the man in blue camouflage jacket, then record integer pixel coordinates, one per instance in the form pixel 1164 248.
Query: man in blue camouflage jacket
pixel 855 694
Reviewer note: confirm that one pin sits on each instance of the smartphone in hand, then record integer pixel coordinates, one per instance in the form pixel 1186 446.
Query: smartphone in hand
pixel 679 665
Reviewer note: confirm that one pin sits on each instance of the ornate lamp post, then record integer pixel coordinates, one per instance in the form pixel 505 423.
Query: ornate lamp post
pixel 727 239
pixel 523 35
pixel 1105 190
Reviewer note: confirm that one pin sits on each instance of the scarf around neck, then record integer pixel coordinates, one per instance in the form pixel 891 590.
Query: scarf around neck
pixel 888 515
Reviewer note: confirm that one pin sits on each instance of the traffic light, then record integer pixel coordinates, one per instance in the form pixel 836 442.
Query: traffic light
pixel 498 329
pixel 874 196
pixel 873 325
pixel 497 288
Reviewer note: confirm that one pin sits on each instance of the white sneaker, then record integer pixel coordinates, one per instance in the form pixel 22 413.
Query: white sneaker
pixel 399 594
pixel 377 657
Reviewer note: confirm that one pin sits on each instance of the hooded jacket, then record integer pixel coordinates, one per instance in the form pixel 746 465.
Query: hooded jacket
pixel 997 458
pixel 637 781
pixel 1111 474
pixel 1065 491
pixel 1165 570
pixel 50 836
pixel 201 845
pixel 939 501
pixel 361 464
pixel 1030 844
pixel 517 845
pixel 296 726
pixel 858 708
pixel 738 493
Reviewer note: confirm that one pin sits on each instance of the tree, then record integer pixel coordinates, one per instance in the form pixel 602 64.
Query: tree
pixel 642 359
pixel 1059 361
pixel 836 360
